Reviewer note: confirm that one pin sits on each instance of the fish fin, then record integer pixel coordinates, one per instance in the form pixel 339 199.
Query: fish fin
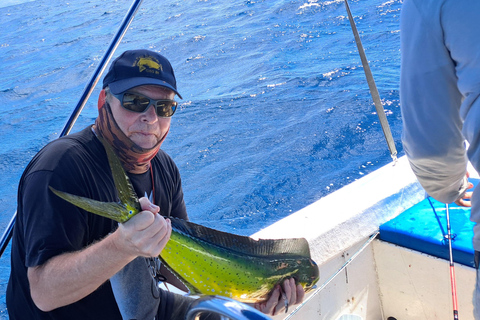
pixel 191 289
pixel 295 247
pixel 112 210
pixel 126 192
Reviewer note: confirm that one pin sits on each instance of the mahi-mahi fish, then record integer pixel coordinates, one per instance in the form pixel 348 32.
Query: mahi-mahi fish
pixel 209 261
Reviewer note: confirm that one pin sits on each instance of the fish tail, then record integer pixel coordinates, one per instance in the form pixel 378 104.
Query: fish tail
pixel 112 210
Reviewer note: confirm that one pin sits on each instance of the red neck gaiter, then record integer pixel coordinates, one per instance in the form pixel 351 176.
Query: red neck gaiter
pixel 134 158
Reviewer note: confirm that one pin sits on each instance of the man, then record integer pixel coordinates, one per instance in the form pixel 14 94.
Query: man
pixel 71 264
pixel 439 90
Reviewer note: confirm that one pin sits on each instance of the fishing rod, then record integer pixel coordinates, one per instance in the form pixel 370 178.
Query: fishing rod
pixel 452 267
pixel 449 237
pixel 373 88
pixel 7 235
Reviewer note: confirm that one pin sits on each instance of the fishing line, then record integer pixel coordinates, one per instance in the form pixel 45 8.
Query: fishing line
pixel 436 216
pixel 372 237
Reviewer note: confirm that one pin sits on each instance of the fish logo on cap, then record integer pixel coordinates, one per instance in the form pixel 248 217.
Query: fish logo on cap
pixel 148 64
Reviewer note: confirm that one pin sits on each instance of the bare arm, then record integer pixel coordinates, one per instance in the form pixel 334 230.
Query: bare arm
pixel 69 277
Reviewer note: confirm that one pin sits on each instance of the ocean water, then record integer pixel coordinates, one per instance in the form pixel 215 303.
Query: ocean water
pixel 276 111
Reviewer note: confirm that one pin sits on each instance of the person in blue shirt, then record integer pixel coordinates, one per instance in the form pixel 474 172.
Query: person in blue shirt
pixel 439 91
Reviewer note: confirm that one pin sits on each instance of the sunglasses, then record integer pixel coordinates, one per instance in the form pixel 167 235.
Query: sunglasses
pixel 139 103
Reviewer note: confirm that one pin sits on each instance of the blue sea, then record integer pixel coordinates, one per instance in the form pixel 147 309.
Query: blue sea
pixel 276 111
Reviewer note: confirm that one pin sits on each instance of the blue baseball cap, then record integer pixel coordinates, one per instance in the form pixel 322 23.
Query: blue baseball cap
pixel 135 68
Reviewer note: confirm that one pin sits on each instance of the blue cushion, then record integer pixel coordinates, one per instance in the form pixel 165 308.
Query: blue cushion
pixel 424 229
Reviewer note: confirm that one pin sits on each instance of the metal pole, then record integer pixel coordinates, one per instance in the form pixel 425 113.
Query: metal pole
pixel 373 88
pixel 7 235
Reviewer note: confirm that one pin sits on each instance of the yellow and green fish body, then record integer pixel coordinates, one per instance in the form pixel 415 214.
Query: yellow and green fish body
pixel 238 267
pixel 209 261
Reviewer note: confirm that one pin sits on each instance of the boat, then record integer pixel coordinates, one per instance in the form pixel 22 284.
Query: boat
pixel 363 275
pixel 370 269
pixel 375 258
pixel 382 256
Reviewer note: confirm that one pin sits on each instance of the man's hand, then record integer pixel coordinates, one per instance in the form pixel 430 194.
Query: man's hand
pixel 464 200
pixel 281 297
pixel 69 277
pixel 145 234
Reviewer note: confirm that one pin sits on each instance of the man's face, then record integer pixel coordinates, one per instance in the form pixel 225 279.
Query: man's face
pixel 144 129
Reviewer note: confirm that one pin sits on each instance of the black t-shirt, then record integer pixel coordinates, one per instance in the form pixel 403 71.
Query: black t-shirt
pixel 47 225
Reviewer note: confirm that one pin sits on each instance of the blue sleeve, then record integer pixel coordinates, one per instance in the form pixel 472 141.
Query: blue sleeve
pixel 431 98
